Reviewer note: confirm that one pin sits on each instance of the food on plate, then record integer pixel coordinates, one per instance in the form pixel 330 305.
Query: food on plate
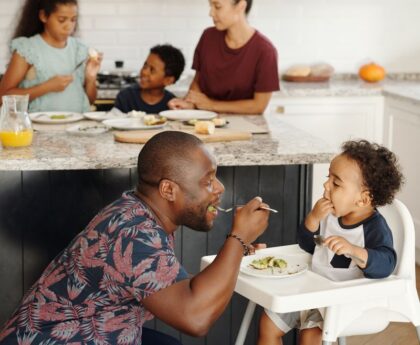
pixel 372 72
pixel 93 54
pixel 268 262
pixel 204 127
pixel 151 120
pixel 59 116
pixel 219 121
pixel 298 71
pixel 135 113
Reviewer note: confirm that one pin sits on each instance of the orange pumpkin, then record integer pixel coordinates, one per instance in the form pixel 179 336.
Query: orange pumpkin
pixel 372 72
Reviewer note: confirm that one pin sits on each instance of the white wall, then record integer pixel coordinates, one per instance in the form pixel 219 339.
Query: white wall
pixel 345 33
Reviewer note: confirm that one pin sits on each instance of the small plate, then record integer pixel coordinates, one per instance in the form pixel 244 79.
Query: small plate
pixel 130 123
pixel 295 266
pixel 103 115
pixel 87 130
pixel 188 114
pixel 55 117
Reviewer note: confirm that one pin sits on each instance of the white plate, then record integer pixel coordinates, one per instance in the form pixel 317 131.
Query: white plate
pixel 48 117
pixel 295 265
pixel 188 114
pixel 130 123
pixel 87 130
pixel 103 115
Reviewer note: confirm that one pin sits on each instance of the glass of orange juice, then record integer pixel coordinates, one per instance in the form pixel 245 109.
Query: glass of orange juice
pixel 15 124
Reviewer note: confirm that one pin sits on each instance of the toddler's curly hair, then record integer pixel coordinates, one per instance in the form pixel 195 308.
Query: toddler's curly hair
pixel 380 169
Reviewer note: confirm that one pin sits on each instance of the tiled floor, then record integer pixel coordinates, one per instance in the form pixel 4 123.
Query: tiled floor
pixel 395 334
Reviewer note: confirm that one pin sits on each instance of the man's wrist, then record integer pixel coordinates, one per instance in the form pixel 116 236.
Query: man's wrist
pixel 245 247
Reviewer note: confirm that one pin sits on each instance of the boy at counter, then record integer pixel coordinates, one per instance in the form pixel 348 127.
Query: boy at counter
pixel 356 240
pixel 162 67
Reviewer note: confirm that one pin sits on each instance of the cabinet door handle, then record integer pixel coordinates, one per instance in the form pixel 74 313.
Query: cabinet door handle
pixel 280 109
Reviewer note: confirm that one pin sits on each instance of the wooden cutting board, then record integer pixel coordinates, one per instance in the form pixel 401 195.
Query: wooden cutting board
pixel 221 134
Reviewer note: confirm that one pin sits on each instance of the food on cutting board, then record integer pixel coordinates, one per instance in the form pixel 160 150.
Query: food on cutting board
pixel 372 72
pixel 151 120
pixel 204 127
pixel 268 262
pixel 218 122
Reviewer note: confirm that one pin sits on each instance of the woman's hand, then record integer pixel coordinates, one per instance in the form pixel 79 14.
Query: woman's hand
pixel 93 66
pixel 200 100
pixel 59 83
pixel 179 103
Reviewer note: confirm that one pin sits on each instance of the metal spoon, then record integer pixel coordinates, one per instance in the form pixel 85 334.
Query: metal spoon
pixel 319 241
pixel 227 210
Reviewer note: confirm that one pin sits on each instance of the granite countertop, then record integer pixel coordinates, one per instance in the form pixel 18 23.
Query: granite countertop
pixel 58 150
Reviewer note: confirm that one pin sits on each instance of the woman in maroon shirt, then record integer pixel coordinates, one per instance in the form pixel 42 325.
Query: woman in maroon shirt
pixel 236 66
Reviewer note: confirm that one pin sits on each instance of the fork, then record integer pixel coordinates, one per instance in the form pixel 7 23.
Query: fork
pixel 319 241
pixel 78 65
pixel 227 210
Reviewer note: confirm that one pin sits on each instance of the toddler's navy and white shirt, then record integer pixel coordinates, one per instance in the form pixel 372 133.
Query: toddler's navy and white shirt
pixel 373 234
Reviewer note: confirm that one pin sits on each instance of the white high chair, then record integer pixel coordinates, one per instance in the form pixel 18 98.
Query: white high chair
pixel 353 307
pixel 372 314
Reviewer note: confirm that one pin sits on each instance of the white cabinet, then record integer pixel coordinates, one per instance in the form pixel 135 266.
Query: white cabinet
pixel 402 136
pixel 335 119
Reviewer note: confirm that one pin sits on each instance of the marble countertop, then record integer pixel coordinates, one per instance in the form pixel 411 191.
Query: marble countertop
pixel 59 150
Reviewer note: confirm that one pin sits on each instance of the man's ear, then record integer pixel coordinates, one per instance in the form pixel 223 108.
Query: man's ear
pixel 168 190
pixel 169 80
pixel 42 16
pixel 365 199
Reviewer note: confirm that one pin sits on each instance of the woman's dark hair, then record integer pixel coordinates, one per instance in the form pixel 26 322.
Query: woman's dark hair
pixel 248 5
pixel 380 169
pixel 29 23
pixel 172 58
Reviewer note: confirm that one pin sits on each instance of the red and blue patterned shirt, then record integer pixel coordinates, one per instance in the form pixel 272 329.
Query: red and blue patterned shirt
pixel 92 292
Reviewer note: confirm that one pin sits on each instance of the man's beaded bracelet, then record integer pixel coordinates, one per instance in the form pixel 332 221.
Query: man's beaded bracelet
pixel 246 248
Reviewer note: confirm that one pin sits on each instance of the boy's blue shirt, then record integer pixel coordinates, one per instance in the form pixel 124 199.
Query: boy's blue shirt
pixel 129 99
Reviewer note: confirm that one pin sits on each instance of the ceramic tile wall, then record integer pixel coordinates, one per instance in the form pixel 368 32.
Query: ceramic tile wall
pixel 345 33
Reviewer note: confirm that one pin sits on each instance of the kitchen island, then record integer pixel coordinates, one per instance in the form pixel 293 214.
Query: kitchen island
pixel 51 190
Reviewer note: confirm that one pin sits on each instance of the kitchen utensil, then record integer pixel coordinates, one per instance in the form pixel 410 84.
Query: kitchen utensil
pixel 231 209
pixel 15 124
pixel 319 241
pixel 79 64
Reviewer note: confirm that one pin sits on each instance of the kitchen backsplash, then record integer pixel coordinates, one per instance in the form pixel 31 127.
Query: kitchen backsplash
pixel 344 33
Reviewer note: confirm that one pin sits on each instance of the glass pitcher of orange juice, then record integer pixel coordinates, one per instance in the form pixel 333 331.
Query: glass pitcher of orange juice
pixel 15 124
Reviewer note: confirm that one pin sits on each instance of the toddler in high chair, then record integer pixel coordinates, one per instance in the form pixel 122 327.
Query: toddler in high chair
pixel 357 240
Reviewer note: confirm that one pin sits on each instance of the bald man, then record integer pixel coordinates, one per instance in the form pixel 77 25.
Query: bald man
pixel 121 270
